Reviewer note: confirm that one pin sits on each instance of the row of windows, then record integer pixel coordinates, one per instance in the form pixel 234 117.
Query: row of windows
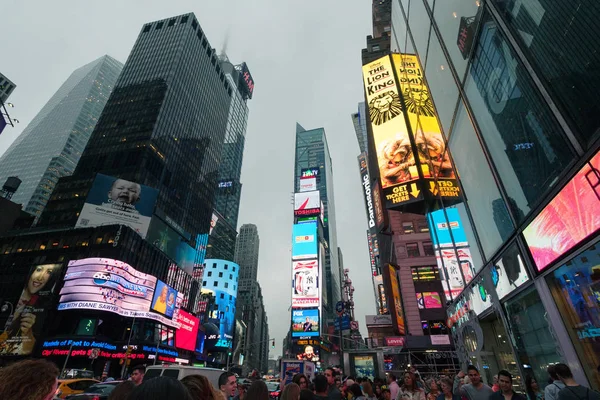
pixel 412 249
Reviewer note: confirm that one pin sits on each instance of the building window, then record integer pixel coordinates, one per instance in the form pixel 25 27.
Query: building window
pixel 428 300
pixel 159 25
pixel 204 283
pixel 408 227
pixel 226 285
pixel 234 269
pixel 220 274
pixel 423 227
pixel 216 284
pixel 425 274
pixel 209 273
pixel 147 28
pixel 226 266
pixel 412 249
pixel 428 249
pixel 222 295
pixel 214 265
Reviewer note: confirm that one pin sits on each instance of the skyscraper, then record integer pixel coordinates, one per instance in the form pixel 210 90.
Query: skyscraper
pixel 163 126
pixel 246 255
pixel 312 151
pixel 51 145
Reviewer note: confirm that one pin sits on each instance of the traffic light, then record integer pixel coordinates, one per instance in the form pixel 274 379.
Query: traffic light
pixel 273 343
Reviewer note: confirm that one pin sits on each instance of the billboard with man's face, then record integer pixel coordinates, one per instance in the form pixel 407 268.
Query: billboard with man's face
pixel 25 324
pixel 305 322
pixel 118 201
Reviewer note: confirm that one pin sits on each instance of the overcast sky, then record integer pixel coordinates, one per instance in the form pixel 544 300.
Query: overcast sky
pixel 305 61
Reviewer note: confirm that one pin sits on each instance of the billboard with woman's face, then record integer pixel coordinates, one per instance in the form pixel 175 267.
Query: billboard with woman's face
pixel 26 322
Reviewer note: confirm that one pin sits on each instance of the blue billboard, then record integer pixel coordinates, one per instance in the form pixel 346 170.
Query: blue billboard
pixel 305 322
pixel 164 299
pixel 443 227
pixel 304 241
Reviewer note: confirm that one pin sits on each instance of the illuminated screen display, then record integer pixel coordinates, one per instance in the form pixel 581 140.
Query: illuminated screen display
pixel 186 335
pixel 569 218
pixel 305 290
pixel 426 300
pixel 304 241
pixel 397 300
pixel 164 299
pixel 442 228
pixel 305 322
pixel 308 184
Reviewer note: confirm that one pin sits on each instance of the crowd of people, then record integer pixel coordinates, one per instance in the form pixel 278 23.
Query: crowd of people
pixel 38 380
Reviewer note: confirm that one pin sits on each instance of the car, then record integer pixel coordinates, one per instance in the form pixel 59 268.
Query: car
pixel 73 386
pixel 98 391
pixel 181 371
pixel 274 389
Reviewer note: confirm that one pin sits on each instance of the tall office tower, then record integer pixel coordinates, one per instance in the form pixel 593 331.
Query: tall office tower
pixel 6 88
pixel 163 126
pixel 246 255
pixel 51 145
pixel 312 151
pixel 359 120
pixel 378 44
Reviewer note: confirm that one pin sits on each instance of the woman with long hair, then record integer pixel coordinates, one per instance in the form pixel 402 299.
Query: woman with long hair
pixel 354 392
pixel 368 390
pixel 258 391
pixel 533 389
pixel 291 391
pixel 434 389
pixel 301 380
pixel 410 389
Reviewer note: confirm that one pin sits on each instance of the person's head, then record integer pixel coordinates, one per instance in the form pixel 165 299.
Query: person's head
pixel 122 391
pixel 320 384
pixel 552 372
pixel 199 387
pixel 377 390
pixel 563 371
pixel 29 380
pixel 160 388
pixel 137 374
pixel 258 391
pixel 163 293
pixel 433 385
pixel 531 384
pixel 301 380
pixel 228 383
pixel 291 391
pixel 42 276
pixel 413 370
pixel 386 394
pixel 410 382
pixel 473 374
pixel 330 375
pixel 338 382
pixel 355 390
pixel 505 381
pixel 307 394
pixel 309 351
pixel 367 388
pixel 391 378
pixel 125 191
pixel 447 386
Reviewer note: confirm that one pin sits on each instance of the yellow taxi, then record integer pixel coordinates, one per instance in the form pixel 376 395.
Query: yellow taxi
pixel 67 387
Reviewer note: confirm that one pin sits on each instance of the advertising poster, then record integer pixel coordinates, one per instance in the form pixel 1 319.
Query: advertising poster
pixel 164 299
pixel 305 322
pixel 172 244
pixel 427 300
pixel 304 241
pixel 305 291
pixel 568 219
pixel 364 366
pixel 479 299
pixel 307 204
pixel 308 184
pixel 397 299
pixel 118 201
pixel 366 184
pixel 432 155
pixel 223 312
pixel 397 167
pixel 109 285
pixel 187 334
pixel 443 227
pixel 24 326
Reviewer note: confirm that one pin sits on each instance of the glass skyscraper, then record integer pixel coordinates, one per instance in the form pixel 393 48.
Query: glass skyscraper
pixel 163 126
pixel 312 151
pixel 51 145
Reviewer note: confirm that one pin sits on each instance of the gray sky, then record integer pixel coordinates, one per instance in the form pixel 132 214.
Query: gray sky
pixel 305 60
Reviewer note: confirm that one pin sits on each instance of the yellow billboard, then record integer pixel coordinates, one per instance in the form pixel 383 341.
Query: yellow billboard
pixel 397 167
pixel 433 158
pixel 397 310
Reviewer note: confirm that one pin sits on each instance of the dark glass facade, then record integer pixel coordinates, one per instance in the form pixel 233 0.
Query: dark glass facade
pixel 513 82
pixel 163 126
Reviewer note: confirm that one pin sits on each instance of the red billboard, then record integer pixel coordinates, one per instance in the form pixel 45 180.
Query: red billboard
pixel 186 335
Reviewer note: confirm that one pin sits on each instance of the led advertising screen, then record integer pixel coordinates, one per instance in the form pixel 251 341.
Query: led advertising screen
pixel 397 168
pixel 508 273
pixel 305 290
pixel 164 299
pixel 427 300
pixel 304 241
pixel 397 300
pixel 187 334
pixel 308 184
pixel 569 218
pixel 432 156
pixel 25 325
pixel 307 204
pixel 118 201
pixel 172 244
pixel 305 322
pixel 109 285
pixel 366 184
pixel 443 227
pixel 200 340
pixel 246 80
pixel 309 173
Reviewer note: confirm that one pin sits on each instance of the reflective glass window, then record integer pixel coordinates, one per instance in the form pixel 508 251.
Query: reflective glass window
pixel 420 24
pixel 398 39
pixel 562 39
pixel 489 212
pixel 523 138
pixel 451 16
pixel 532 336
pixel 441 83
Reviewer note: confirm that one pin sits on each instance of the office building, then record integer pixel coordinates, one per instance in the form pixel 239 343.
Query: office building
pixel 517 251
pixel 163 126
pixel 51 145
pixel 6 88
pixel 246 255
pixel 312 152
pixel 221 241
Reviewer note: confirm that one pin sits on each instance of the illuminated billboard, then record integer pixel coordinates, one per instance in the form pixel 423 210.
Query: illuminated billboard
pixel 305 282
pixel 304 241
pixel 569 218
pixel 187 334
pixel 309 173
pixel 366 184
pixel 167 240
pixel 443 227
pixel 307 203
pixel 245 80
pixel 308 184
pixel 305 322
pixel 110 285
pixel 396 298
pixel 25 325
pixel 164 299
pixel 118 201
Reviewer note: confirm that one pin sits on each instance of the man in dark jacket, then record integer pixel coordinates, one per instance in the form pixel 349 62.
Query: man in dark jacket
pixel 506 391
pixel 334 392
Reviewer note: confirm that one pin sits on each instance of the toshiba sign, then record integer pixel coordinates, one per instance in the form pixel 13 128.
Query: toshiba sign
pixel 307 200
